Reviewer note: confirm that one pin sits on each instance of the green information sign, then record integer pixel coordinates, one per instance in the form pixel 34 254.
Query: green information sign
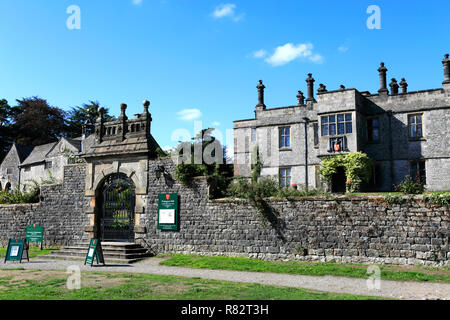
pixel 168 215
pixel 95 251
pixel 17 250
pixel 34 233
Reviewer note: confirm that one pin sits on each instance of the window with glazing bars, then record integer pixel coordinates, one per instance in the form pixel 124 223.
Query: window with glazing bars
pixel 415 126
pixel 285 137
pixel 336 124
pixel 285 177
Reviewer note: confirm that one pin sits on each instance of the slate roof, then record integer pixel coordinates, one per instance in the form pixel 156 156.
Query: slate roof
pixel 39 153
pixel 23 151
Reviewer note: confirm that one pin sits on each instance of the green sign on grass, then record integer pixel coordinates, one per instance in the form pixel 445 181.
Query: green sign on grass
pixel 34 233
pixel 94 251
pixel 168 216
pixel 17 250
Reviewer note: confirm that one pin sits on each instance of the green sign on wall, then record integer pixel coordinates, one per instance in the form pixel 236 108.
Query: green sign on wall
pixel 17 250
pixel 168 215
pixel 34 233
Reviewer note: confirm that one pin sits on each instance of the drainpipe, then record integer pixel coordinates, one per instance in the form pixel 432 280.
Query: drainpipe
pixel 391 161
pixel 306 152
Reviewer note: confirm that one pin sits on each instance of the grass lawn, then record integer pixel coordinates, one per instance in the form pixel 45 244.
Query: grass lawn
pixel 19 284
pixel 399 273
pixel 33 251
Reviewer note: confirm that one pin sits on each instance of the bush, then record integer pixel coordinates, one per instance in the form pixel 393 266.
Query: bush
pixel 410 186
pixel 185 172
pixel 438 198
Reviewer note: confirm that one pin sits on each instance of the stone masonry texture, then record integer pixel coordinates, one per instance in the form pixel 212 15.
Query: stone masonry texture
pixel 358 230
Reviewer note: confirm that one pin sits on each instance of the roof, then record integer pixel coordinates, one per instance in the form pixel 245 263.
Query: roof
pixel 23 151
pixel 74 142
pixel 39 153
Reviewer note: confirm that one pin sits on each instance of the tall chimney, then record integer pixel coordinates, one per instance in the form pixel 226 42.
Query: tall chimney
pixel 394 86
pixel 446 63
pixel 300 98
pixel 260 88
pixel 310 82
pixel 404 85
pixel 382 71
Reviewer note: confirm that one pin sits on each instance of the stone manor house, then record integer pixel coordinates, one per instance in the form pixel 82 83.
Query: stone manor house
pixel 404 133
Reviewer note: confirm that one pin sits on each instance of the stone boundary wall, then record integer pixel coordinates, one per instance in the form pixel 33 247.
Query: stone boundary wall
pixel 60 212
pixel 343 230
pixel 354 230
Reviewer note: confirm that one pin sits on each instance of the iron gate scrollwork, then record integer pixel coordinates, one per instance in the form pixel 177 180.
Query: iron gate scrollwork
pixel 117 220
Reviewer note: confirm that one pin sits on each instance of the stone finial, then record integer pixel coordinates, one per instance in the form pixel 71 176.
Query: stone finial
pixel 261 88
pixel 123 108
pixel 310 82
pixel 404 85
pixel 300 98
pixel 146 104
pixel 322 88
pixel 446 64
pixel 394 86
pixel 342 87
pixel 382 72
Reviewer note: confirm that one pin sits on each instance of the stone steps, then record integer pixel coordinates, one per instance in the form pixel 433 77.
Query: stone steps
pixel 113 252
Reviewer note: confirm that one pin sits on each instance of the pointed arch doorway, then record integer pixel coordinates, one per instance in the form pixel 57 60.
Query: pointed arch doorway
pixel 115 216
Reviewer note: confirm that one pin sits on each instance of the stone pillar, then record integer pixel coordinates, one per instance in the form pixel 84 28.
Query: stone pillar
pixel 446 64
pixel 123 126
pixel 404 85
pixel 300 98
pixel 310 82
pixel 99 125
pixel 382 71
pixel 260 88
pixel 394 87
pixel 147 117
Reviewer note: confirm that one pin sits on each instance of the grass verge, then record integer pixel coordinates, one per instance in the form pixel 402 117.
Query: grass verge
pixel 51 285
pixel 32 251
pixel 388 272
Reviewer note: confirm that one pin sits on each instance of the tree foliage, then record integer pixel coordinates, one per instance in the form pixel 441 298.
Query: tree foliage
pixel 35 122
pixel 86 115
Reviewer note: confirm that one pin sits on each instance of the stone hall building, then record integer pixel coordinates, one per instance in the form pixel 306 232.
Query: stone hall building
pixel 404 133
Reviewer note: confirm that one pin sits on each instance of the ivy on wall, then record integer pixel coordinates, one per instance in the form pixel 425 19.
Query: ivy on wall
pixel 357 165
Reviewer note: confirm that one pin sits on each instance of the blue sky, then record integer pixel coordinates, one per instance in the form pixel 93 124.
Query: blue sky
pixel 202 59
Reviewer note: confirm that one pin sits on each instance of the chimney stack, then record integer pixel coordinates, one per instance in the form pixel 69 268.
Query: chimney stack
pixel 300 98
pixel 404 85
pixel 322 88
pixel 260 88
pixel 382 71
pixel 394 87
pixel 310 82
pixel 446 64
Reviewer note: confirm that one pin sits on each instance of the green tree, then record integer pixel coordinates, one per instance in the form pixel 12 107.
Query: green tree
pixel 35 122
pixel 85 115
pixel 6 134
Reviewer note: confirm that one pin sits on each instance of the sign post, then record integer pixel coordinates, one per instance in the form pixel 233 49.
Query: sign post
pixel 168 215
pixel 95 251
pixel 17 250
pixel 35 233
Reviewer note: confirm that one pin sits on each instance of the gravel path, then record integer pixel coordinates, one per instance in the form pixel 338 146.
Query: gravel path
pixel 388 289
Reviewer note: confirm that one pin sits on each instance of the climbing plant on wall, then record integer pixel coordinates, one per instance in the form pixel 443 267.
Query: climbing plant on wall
pixel 357 165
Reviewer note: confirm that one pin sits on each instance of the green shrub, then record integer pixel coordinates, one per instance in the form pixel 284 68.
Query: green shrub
pixel 438 198
pixel 185 172
pixel 410 186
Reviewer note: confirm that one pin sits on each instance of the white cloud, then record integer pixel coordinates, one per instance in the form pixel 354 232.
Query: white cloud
pixel 259 54
pixel 343 48
pixel 215 123
pixel 136 2
pixel 289 52
pixel 227 11
pixel 189 114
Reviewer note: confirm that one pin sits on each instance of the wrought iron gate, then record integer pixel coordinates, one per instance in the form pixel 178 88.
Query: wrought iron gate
pixel 117 221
